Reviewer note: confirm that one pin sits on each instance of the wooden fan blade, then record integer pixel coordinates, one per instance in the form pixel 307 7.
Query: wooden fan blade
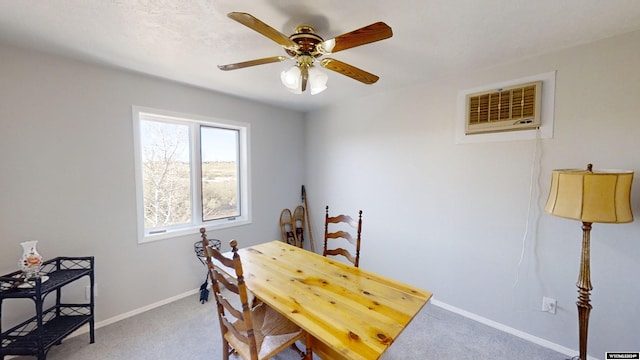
pixel 255 62
pixel 253 23
pixel 368 34
pixel 349 70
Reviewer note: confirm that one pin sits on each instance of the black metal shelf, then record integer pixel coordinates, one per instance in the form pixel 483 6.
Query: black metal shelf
pixel 49 327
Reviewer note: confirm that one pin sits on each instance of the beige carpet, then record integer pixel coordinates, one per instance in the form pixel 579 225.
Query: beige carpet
pixel 186 329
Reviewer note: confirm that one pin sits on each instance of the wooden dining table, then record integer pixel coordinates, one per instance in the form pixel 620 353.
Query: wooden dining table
pixel 350 313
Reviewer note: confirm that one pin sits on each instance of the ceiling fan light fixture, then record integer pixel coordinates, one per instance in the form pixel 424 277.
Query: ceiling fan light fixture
pixel 291 78
pixel 317 80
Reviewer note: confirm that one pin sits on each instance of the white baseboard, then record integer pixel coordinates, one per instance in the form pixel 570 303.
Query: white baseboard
pixel 521 334
pixel 85 328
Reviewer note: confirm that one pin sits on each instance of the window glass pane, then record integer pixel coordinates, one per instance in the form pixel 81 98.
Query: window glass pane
pixel 190 172
pixel 166 174
pixel 219 152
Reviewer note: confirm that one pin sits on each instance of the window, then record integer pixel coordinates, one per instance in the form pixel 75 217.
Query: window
pixel 191 172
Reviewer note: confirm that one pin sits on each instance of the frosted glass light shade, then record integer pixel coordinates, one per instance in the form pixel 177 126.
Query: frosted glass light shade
pixel 317 80
pixel 291 78
pixel 602 196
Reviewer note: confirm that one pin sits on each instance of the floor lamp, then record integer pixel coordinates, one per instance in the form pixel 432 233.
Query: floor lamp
pixel 589 196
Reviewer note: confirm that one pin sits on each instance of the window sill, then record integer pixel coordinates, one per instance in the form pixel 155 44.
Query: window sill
pixel 190 230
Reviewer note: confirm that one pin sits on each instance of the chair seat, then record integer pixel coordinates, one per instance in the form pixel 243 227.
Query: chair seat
pixel 273 332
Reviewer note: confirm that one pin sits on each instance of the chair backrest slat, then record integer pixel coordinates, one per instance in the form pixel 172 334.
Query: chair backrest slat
pixel 227 305
pixel 343 252
pixel 229 327
pixel 343 218
pixel 224 260
pixel 344 235
pixel 225 282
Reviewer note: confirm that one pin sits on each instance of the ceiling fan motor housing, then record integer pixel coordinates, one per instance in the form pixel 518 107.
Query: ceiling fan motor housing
pixel 307 41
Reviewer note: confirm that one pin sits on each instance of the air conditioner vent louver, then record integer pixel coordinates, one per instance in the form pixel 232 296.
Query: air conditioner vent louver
pixel 507 109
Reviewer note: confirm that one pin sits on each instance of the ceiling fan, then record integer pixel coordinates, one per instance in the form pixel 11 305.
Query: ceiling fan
pixel 306 47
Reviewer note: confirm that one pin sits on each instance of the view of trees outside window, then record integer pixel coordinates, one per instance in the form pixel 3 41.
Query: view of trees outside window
pixel 166 173
pixel 168 169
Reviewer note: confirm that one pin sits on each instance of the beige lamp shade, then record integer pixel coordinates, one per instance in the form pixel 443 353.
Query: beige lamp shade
pixel 602 196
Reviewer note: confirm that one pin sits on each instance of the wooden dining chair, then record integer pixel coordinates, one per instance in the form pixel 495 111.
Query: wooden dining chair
pixel 339 233
pixel 253 332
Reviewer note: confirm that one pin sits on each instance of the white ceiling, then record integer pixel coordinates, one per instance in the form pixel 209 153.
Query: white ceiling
pixel 184 40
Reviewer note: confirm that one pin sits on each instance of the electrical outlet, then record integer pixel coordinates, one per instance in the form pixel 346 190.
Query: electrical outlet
pixel 549 305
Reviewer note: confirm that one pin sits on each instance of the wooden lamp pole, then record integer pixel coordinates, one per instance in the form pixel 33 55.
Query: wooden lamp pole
pixel 584 287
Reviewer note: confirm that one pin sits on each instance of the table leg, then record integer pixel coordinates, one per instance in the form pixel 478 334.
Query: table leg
pixel 309 353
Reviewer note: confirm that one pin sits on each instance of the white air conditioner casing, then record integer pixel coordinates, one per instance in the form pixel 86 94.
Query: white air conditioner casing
pixel 504 109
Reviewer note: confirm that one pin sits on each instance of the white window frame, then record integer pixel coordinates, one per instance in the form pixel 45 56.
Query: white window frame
pixel 194 121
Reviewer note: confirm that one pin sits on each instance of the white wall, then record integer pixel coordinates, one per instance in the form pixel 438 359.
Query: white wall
pixel 452 218
pixel 67 175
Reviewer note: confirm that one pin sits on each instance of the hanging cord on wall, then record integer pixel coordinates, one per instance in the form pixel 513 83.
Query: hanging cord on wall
pixel 534 188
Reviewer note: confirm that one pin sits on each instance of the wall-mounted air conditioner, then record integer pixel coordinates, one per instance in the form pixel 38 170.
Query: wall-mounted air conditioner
pixel 504 109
